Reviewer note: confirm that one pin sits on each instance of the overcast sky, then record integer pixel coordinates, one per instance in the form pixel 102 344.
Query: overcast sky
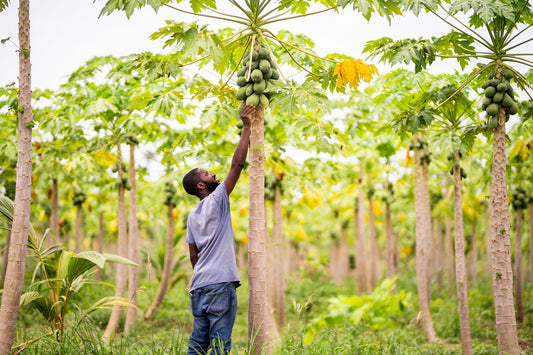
pixel 66 33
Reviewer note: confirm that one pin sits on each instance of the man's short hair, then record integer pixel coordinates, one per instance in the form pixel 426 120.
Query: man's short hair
pixel 190 182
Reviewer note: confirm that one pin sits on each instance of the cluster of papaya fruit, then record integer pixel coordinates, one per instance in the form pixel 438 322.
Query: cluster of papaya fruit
pixel 131 140
pixel 520 198
pixel 457 165
pixel 122 180
pixel 170 195
pixel 499 92
pixel 422 146
pixel 254 77
pixel 79 198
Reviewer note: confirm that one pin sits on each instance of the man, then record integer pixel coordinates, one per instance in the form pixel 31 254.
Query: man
pixel 212 251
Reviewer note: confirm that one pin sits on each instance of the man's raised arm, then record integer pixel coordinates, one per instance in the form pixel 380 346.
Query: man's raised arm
pixel 239 156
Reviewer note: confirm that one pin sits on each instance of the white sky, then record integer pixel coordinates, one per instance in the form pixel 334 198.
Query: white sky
pixel 66 33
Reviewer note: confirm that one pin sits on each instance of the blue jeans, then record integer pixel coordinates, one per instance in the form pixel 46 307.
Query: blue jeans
pixel 214 308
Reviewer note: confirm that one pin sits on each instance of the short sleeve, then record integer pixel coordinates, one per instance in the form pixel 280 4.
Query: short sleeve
pixel 220 194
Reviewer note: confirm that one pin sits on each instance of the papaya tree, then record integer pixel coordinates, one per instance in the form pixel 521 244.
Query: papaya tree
pixel 226 51
pixel 14 278
pixel 491 37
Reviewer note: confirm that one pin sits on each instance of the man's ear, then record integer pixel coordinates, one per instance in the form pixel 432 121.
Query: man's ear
pixel 201 186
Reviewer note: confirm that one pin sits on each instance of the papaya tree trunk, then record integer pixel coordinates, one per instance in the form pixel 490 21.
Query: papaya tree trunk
pixel 167 264
pixel 460 263
pixel 54 216
pixel 531 240
pixel 519 277
pixel 448 253
pixel 391 267
pixel 439 252
pixel 428 229
pixel 363 281
pixel 474 257
pixel 122 250
pixel 4 258
pixel 9 309
pixel 344 253
pixel 278 262
pixel 133 244
pixel 100 241
pixel 422 253
pixel 257 308
pixel 78 229
pixel 373 244
pixel 502 272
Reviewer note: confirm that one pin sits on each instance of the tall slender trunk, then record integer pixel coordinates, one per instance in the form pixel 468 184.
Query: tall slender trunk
pixel 391 267
pixel 4 258
pixel 488 241
pixel 439 252
pixel 428 229
pixel 54 216
pixel 78 229
pixel 122 250
pixel 519 276
pixel 531 240
pixel 279 267
pixel 474 253
pixel 502 272
pixel 373 244
pixel 363 281
pixel 9 308
pixel 100 240
pixel 448 253
pixel 257 308
pixel 167 264
pixel 460 263
pixel 421 234
pixel 344 252
pixel 133 244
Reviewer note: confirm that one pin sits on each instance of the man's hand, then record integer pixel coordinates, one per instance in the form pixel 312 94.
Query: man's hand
pixel 246 114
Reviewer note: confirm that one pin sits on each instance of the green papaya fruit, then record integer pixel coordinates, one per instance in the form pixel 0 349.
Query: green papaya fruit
pixel 241 72
pixel 268 74
pixel 498 97
pixel 493 122
pixel 264 65
pixel 259 87
pixel 492 109
pixel 241 81
pixel 255 55
pixel 253 100
pixel 490 91
pixel 241 93
pixel 249 89
pixel 263 100
pixel 263 53
pixel 255 64
pixel 240 124
pixel 508 74
pixel 513 110
pixel 486 101
pixel 507 100
pixel 256 76
pixel 502 87
pixel 241 106
pixel 275 74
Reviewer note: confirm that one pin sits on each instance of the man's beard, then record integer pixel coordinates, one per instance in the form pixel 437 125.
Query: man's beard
pixel 211 186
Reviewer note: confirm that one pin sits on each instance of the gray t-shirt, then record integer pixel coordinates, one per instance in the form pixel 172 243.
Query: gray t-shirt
pixel 209 228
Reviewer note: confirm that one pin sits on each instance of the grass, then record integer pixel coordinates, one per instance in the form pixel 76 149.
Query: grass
pixel 307 298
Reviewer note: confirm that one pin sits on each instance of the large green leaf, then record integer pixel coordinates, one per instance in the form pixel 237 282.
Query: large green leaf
pixel 112 258
pixel 420 52
pixel 3 4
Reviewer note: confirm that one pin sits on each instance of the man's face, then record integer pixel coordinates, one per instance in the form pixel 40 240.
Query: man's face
pixel 210 180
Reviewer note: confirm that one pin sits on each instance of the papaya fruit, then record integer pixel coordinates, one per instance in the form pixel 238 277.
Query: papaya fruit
pixel 255 55
pixel 255 64
pixel 249 89
pixel 241 106
pixel 493 122
pixel 263 101
pixel 252 100
pixel 491 82
pixel 490 91
pixel 263 53
pixel 259 87
pixel 486 101
pixel 257 75
pixel 502 87
pixel 507 101
pixel 498 97
pixel 268 74
pixel 513 110
pixel 241 93
pixel 241 81
pixel 264 65
pixel 492 109
pixel 508 74
pixel 241 72
pixel 275 75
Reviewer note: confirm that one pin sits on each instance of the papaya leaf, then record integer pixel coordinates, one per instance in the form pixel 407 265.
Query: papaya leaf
pixel 292 96
pixel 484 10
pixel 112 258
pixel 420 52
